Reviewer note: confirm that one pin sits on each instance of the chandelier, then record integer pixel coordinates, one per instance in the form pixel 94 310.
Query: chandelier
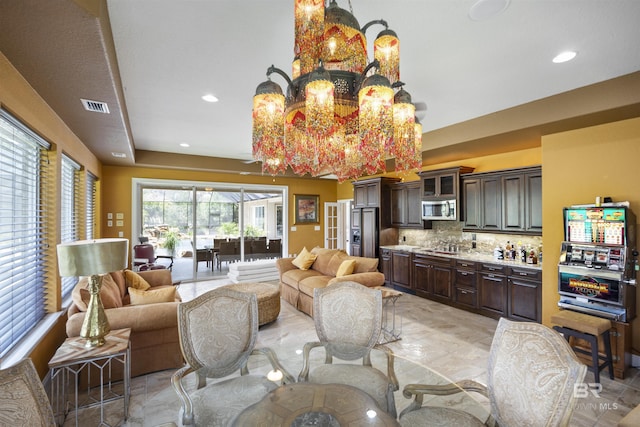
pixel 340 115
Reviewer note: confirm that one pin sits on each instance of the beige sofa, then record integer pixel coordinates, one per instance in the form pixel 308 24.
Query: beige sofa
pixel 154 327
pixel 296 285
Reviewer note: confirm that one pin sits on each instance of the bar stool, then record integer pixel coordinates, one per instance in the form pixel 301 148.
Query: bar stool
pixel 589 328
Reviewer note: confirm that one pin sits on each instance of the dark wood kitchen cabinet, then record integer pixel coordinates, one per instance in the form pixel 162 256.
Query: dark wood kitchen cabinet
pixel 465 285
pixel 507 201
pixel 525 294
pixel 433 277
pixel 401 268
pixel 406 205
pixel 442 183
pixel 492 290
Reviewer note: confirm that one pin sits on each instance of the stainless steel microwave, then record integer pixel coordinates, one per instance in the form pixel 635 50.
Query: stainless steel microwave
pixel 434 210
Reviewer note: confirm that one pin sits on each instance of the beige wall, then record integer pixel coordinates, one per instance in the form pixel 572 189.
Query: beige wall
pixel 120 178
pixel 578 166
pixel 19 99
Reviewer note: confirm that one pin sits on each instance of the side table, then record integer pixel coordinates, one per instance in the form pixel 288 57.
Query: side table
pixel 72 358
pixel 391 321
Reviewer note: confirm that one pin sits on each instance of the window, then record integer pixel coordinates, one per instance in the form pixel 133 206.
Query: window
pixel 23 231
pixel 90 205
pixel 69 208
pixel 258 217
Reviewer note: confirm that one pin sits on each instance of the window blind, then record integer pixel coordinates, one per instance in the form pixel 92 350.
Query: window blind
pixel 69 189
pixel 23 231
pixel 90 205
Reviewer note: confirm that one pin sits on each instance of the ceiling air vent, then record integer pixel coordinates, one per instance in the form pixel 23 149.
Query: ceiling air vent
pixel 95 106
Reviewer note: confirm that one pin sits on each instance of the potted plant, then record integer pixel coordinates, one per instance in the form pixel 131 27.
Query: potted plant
pixel 171 239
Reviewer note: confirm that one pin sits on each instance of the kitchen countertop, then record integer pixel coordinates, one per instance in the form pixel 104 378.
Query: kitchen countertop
pixel 462 255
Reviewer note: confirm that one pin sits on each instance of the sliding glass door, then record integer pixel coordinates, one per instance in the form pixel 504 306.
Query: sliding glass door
pixel 185 223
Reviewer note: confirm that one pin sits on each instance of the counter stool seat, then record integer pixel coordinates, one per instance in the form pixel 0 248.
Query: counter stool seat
pixel 589 328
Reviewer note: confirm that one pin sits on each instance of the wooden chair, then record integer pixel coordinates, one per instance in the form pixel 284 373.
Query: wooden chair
pixel 531 376
pixel 227 253
pixel 348 320
pixel 218 332
pixel 275 248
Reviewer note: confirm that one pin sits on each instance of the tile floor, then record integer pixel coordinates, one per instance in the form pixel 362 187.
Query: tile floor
pixel 452 342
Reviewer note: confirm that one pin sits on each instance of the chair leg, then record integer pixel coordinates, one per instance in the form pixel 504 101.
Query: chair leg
pixel 595 360
pixel 607 349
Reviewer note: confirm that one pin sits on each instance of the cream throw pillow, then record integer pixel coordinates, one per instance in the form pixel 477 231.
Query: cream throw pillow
pixel 305 259
pixel 346 267
pixel 134 280
pixel 139 297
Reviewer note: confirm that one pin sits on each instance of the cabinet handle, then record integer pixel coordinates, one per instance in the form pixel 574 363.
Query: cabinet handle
pixel 463 273
pixel 492 276
pixel 524 274
pixel 464 292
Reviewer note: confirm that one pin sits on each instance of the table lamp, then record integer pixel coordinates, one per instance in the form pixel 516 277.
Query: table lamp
pixel 93 258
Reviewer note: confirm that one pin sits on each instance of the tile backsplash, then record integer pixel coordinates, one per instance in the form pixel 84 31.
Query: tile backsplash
pixel 449 233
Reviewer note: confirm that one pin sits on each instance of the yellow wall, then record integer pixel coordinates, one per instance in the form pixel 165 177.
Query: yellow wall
pixel 120 178
pixel 18 98
pixel 578 166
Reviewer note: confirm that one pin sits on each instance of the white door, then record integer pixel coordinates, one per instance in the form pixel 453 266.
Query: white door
pixel 331 220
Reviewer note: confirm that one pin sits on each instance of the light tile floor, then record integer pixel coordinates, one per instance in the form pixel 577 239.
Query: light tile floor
pixel 452 342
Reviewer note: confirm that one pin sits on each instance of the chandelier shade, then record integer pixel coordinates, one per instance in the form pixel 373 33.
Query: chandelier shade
pixel 339 115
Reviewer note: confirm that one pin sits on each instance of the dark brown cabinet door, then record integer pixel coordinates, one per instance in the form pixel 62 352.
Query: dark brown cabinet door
pixel 360 196
pixel 525 300
pixel 472 203
pixel 492 290
pixel 373 194
pixel 513 202
pixel 421 281
pixel 441 278
pixel 533 212
pixel 492 206
pixel 414 206
pixel 398 205
pixel 401 262
pixel 369 233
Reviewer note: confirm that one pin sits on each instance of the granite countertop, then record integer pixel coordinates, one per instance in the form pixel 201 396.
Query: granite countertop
pixel 462 255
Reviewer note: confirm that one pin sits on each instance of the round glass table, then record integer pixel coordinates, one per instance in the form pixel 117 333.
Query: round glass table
pixel 304 404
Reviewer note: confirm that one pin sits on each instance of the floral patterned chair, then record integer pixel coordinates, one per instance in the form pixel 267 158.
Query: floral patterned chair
pixel 348 318
pixel 218 332
pixel 531 376
pixel 23 400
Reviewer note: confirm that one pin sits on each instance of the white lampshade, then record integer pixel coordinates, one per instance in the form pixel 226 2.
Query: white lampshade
pixel 89 257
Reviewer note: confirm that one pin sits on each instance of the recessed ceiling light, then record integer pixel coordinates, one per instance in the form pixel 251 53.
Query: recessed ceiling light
pixel 210 98
pixel 564 56
pixel 184 144
pixel 118 155
pixel 486 9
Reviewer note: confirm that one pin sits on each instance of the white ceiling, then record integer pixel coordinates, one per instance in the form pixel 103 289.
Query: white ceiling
pixel 489 86
pixel 170 53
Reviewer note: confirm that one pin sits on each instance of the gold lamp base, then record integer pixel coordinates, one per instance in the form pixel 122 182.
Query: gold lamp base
pixel 95 325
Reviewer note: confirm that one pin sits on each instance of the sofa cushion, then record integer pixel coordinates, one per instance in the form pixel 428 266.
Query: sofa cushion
pixel 310 283
pixel 336 262
pixel 365 265
pixel 346 267
pixel 153 296
pixel 323 260
pixel 118 277
pixel 293 277
pixel 109 293
pixel 135 281
pixel 304 260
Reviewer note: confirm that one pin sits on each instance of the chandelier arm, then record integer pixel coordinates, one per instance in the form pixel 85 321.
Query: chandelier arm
pixel 373 64
pixel 377 21
pixel 273 69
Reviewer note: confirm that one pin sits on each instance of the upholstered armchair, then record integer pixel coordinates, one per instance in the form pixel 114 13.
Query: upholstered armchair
pixel 531 377
pixel 348 318
pixel 218 332
pixel 23 400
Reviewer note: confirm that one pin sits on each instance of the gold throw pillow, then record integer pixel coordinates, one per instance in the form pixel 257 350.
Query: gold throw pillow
pixel 346 267
pixel 134 280
pixel 139 297
pixel 304 260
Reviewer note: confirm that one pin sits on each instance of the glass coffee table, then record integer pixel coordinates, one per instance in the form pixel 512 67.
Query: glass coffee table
pixel 307 404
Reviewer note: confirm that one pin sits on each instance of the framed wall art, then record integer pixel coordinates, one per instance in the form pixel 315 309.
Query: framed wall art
pixel 306 209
